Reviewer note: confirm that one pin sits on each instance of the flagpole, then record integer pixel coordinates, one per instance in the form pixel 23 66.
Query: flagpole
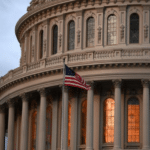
pixel 63 89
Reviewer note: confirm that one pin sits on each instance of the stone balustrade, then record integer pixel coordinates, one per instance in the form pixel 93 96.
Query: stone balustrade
pixel 75 58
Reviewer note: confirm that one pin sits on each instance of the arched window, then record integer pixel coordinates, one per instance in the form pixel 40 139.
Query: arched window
pixel 134 28
pixel 31 49
pixel 83 121
pixel 108 131
pixel 48 127
pixel 112 30
pixel 69 123
pixel 90 32
pixel 55 39
pixel 71 35
pixel 41 43
pixel 133 120
pixel 34 126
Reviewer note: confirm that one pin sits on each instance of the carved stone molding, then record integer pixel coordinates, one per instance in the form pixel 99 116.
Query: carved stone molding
pixel 2 108
pixel 145 83
pixel 10 103
pixel 42 92
pixel 146 31
pixel 24 96
pixel 117 83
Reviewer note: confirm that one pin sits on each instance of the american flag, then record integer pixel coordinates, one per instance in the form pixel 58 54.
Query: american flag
pixel 75 80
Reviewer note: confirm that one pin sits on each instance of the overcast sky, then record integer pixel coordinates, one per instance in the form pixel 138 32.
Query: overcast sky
pixel 10 12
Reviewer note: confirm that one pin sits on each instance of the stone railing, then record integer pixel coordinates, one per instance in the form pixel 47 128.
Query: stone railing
pixel 76 58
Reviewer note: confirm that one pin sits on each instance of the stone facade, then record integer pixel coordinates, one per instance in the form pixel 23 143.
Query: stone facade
pixel 31 95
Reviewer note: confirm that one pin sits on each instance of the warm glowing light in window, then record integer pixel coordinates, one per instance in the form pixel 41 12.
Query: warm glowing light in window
pixel 109 105
pixel 83 121
pixel 34 123
pixel 133 120
pixel 48 127
pixel 69 123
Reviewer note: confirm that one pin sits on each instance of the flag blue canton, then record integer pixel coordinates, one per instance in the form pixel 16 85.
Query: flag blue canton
pixel 69 71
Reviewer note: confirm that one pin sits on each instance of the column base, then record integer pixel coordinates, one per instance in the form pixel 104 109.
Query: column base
pixel 117 148
pixel 89 148
pixel 146 148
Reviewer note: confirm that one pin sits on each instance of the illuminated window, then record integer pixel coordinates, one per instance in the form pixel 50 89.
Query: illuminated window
pixel 71 35
pixel 41 44
pixel 133 120
pixel 48 127
pixel 55 39
pixel 109 106
pixel 31 49
pixel 34 125
pixel 134 28
pixel 90 32
pixel 69 123
pixel 112 30
pixel 83 121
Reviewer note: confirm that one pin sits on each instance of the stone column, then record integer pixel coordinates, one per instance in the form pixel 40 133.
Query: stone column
pixel 89 130
pixel 55 121
pixel 42 121
pixel 24 127
pixel 74 112
pixel 146 114
pixel 117 119
pixel 11 117
pixel 2 127
pixel 64 134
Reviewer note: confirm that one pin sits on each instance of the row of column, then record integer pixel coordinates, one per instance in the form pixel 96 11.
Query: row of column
pixel 64 135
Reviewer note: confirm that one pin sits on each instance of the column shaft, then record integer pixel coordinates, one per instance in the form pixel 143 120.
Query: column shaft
pixel 146 114
pixel 24 129
pixel 65 121
pixel 42 121
pixel 64 132
pixel 89 130
pixel 74 112
pixel 117 119
pixel 11 117
pixel 55 123
pixel 2 129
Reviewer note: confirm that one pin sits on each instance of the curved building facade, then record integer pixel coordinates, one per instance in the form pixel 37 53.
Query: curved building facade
pixel 107 42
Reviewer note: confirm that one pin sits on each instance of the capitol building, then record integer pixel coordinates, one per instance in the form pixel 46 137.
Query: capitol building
pixel 107 42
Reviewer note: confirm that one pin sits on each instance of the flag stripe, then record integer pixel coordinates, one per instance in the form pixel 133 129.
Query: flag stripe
pixel 73 79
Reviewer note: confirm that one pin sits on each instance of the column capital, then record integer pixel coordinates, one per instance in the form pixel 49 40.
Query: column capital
pixel 24 96
pixel 2 108
pixel 145 83
pixel 42 92
pixel 91 83
pixel 117 83
pixel 10 103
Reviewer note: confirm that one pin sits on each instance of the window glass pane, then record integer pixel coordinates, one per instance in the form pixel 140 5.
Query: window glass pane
pixel 90 31
pixel 83 122
pixel 69 123
pixel 48 127
pixel 71 35
pixel 134 28
pixel 41 44
pixel 112 30
pixel 109 106
pixel 34 126
pixel 55 39
pixel 133 120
